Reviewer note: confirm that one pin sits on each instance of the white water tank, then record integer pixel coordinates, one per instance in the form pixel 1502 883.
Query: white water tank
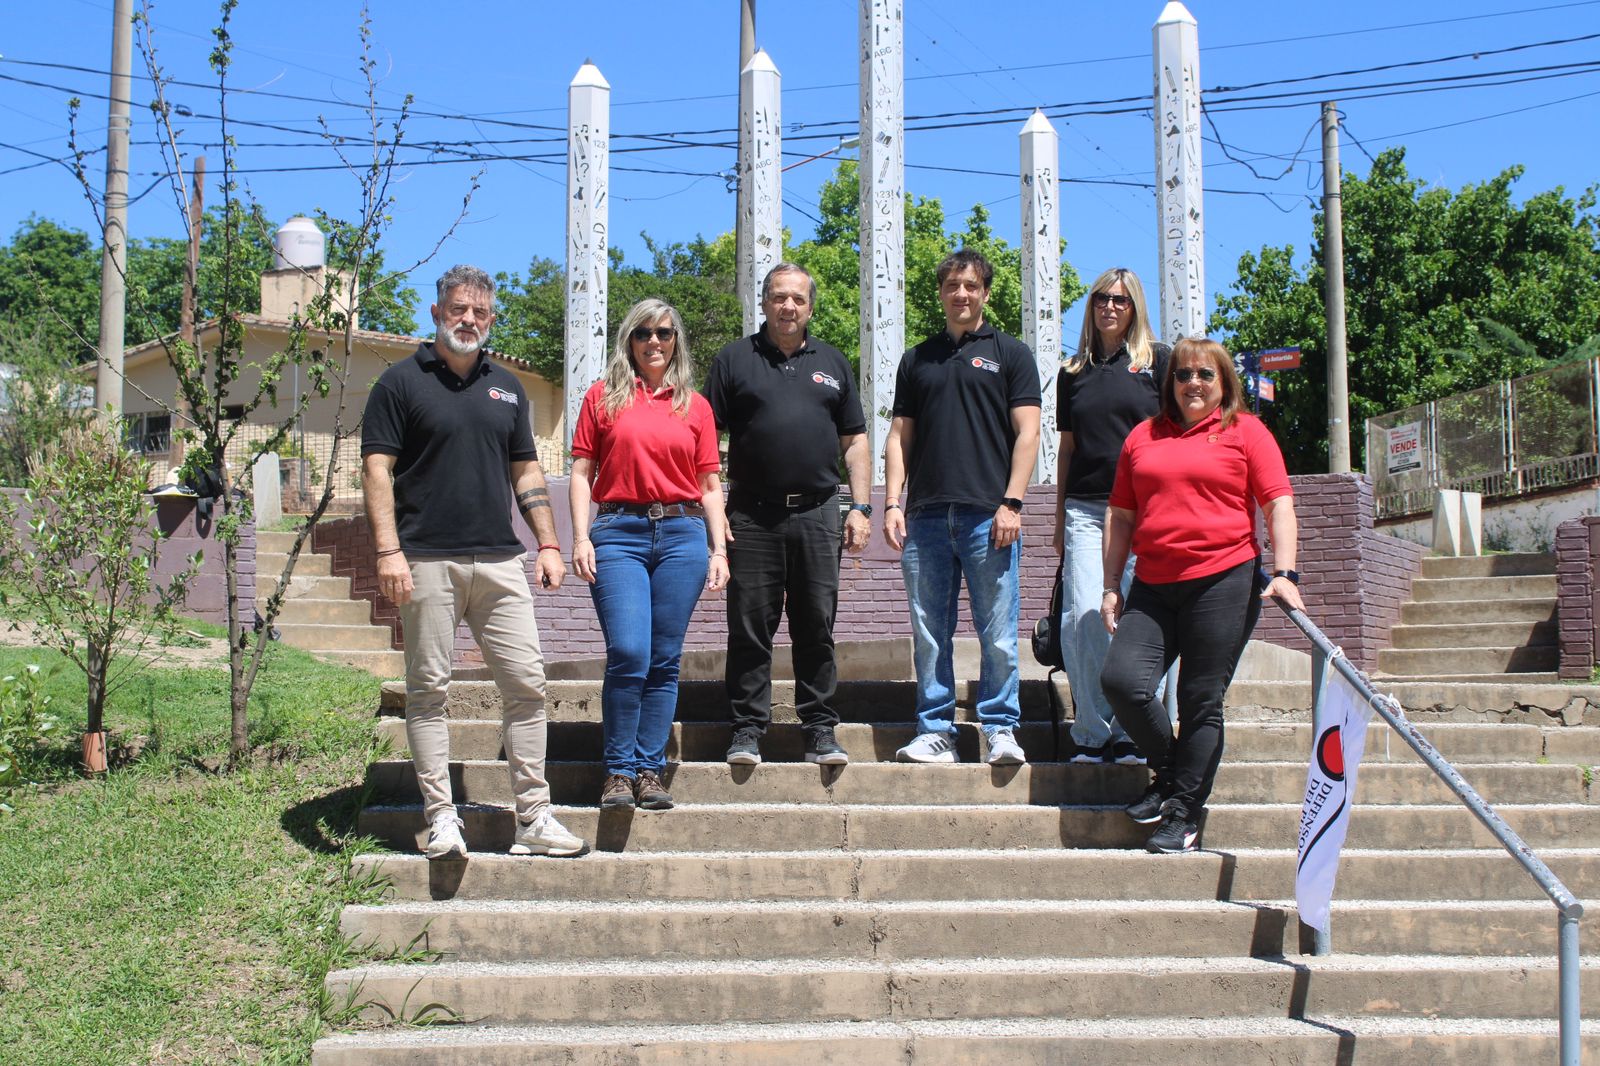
pixel 298 243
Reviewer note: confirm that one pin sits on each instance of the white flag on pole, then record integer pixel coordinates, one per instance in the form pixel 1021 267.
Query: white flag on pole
pixel 1330 792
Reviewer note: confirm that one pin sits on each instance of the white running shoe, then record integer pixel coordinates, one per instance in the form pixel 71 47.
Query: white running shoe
pixel 444 838
pixel 929 747
pixel 1004 749
pixel 545 836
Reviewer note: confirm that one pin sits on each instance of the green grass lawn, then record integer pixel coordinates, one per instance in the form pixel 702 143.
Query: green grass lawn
pixel 179 911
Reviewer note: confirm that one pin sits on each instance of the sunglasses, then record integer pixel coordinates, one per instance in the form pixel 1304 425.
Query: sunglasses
pixel 1121 303
pixel 660 333
pixel 1184 373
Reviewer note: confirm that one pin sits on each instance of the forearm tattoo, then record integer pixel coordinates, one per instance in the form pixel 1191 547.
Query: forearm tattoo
pixel 533 498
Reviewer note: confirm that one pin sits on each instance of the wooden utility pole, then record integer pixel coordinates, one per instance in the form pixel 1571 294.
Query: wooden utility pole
pixel 114 253
pixel 1333 271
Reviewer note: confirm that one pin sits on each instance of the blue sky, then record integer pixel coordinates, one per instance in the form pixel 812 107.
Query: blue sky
pixel 495 72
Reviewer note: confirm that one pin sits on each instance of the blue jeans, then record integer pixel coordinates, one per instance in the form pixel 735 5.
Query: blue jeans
pixel 648 576
pixel 943 544
pixel 1084 640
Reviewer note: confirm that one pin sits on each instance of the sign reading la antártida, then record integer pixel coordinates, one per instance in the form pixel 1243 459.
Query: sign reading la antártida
pixel 1330 793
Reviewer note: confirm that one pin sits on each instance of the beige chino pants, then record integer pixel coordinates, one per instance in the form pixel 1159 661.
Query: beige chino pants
pixel 489 592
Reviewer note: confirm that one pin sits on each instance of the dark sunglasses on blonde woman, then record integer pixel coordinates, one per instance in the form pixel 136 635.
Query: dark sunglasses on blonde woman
pixel 1184 373
pixel 1116 300
pixel 660 333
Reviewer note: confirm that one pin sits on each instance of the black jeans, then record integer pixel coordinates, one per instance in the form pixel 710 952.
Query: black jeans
pixel 779 558
pixel 1206 621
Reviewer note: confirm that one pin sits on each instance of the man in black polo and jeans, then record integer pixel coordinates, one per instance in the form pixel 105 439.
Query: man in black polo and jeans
pixel 790 407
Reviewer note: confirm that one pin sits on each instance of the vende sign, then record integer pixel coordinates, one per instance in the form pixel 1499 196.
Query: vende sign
pixel 1405 448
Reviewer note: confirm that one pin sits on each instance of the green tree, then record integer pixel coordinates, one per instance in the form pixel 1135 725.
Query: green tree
pixel 1424 269
pixel 50 287
pixel 42 400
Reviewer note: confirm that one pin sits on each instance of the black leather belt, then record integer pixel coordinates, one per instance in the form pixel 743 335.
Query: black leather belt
pixel 654 510
pixel 794 501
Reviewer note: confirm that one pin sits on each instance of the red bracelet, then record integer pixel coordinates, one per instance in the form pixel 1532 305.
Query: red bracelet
pixel 549 547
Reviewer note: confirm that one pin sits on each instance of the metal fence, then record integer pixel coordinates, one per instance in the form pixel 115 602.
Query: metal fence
pixel 1530 433
pixel 1325 658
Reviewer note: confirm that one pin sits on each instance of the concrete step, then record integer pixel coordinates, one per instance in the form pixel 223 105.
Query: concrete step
pixel 817 827
pixel 305 587
pixel 577 783
pixel 1444 612
pixel 309 564
pixel 1475 635
pixel 305 611
pixel 279 542
pixel 1536 699
pixel 968 1042
pixel 1484 588
pixel 384 664
pixel 1459 660
pixel 766 990
pixel 1533 677
pixel 336 637
pixel 865 742
pixel 1246 875
pixel 502 931
pixel 1509 564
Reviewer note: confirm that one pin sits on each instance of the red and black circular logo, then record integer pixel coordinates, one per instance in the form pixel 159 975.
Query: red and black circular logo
pixel 1330 754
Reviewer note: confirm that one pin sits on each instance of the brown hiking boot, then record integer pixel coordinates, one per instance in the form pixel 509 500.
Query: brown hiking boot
pixel 617 792
pixel 652 794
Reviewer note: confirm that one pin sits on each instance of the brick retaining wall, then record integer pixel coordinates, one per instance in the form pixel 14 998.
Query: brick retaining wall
pixel 1354 579
pixel 208 593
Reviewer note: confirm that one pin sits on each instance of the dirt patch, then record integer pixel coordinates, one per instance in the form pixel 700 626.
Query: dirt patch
pixel 196 650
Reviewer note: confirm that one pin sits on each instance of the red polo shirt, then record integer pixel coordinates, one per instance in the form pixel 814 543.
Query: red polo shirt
pixel 1194 493
pixel 648 453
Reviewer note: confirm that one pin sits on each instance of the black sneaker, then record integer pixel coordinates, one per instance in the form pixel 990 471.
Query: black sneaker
pixel 1091 755
pixel 745 749
pixel 1178 831
pixel 820 748
pixel 1146 810
pixel 1126 753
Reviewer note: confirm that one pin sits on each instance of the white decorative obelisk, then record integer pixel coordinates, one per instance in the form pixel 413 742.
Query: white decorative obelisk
pixel 1041 269
pixel 1179 198
pixel 588 163
pixel 761 186
pixel 882 219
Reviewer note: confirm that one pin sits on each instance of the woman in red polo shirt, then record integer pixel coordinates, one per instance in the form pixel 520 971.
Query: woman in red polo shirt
pixel 1184 501
pixel 644 450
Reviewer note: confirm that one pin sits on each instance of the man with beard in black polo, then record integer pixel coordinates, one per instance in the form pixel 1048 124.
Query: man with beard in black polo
pixel 789 404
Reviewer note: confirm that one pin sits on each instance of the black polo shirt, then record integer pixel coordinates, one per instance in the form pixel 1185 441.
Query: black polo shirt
pixel 455 441
pixel 1099 406
pixel 959 395
pixel 784 416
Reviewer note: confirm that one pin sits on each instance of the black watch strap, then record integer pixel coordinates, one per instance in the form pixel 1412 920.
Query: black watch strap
pixel 1013 503
pixel 864 508
pixel 1292 575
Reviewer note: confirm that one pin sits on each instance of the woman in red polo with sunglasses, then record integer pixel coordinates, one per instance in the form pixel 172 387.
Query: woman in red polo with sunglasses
pixel 644 450
pixel 1184 501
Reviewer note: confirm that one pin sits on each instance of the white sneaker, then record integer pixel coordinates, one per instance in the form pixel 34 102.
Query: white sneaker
pixel 929 747
pixel 1004 749
pixel 444 838
pixel 545 836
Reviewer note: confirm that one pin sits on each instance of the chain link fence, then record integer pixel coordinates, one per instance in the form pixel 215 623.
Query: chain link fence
pixel 1530 433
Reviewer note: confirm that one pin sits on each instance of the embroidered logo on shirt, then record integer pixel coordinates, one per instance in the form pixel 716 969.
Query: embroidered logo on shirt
pixel 980 363
pixel 826 379
pixel 503 396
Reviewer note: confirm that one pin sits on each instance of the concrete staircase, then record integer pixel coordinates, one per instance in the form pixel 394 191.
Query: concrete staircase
pixel 885 913
pixel 318 613
pixel 1472 619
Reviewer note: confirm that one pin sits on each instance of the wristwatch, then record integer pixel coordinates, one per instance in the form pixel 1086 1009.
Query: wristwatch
pixel 1013 503
pixel 864 508
pixel 1292 575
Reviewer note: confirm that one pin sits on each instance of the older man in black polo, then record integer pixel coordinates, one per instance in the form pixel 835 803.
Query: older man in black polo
pixel 789 404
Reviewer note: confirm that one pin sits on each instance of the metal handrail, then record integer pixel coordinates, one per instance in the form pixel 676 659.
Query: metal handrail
pixel 1568 908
